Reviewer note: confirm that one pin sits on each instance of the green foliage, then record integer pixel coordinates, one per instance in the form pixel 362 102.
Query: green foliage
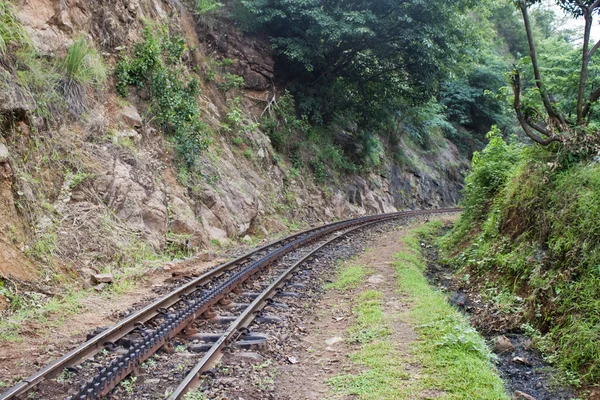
pixel 358 60
pixel 84 64
pixel 491 168
pixel 156 63
pixel 207 6
pixel 539 234
pixel 231 82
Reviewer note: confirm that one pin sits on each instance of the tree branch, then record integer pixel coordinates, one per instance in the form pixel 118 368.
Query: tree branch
pixel 516 84
pixel 596 47
pixel 536 70
pixel 593 98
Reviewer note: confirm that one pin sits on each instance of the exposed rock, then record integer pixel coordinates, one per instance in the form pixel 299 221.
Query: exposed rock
pixel 103 278
pixel 100 287
pixel 13 98
pixel 4 304
pixel 4 155
pixel 130 116
pixel 518 395
pixel 502 344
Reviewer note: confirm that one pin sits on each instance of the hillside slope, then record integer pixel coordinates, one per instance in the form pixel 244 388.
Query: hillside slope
pixel 89 182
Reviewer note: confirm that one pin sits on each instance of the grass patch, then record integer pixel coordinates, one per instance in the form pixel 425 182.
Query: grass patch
pixel 349 276
pixel 454 357
pixel 454 361
pixel 385 371
pixel 370 319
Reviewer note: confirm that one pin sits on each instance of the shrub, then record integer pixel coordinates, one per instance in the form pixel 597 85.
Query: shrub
pixel 207 6
pixel 231 82
pixel 156 63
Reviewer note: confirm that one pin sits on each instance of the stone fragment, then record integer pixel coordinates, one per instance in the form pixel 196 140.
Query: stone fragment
pixel 521 360
pixel 334 340
pixel 100 287
pixel 131 117
pixel 518 395
pixel 376 279
pixel 102 278
pixel 502 344
pixel 3 153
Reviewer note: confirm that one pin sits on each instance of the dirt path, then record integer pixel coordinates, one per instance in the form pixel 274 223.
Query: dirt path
pixel 324 351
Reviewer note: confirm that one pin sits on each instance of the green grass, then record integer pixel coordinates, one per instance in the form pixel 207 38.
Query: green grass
pixel 84 64
pixel 382 379
pixel 349 276
pixel 370 319
pixel 453 359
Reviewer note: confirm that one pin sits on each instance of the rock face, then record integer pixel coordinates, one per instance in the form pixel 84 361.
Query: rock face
pixel 13 99
pixel 117 188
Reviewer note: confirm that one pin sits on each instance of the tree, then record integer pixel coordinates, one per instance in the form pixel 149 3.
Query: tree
pixel 361 57
pixel 553 126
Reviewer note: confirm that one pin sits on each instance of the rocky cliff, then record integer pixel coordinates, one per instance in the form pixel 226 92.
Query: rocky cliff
pixel 99 189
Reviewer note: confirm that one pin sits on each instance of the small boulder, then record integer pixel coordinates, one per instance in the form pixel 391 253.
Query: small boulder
pixel 502 344
pixel 518 395
pixel 102 278
pixel 131 117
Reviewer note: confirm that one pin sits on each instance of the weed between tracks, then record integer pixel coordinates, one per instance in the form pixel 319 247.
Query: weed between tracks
pixel 448 360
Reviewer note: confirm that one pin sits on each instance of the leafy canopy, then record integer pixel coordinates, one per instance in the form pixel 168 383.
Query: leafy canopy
pixel 360 57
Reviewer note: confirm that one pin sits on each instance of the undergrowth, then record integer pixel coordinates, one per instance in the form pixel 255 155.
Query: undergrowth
pixel 535 228
pixel 156 63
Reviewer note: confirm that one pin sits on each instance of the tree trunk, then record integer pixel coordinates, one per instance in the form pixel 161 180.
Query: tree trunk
pixel 536 70
pixel 585 61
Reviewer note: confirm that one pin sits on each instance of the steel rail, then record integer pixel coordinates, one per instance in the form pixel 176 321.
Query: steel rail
pixel 94 344
pixel 246 318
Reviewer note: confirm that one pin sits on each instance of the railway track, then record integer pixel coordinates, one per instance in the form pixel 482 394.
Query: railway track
pixel 136 338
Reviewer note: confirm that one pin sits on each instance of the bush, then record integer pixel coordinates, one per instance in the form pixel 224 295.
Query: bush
pixel 156 63
pixel 231 82
pixel 533 224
